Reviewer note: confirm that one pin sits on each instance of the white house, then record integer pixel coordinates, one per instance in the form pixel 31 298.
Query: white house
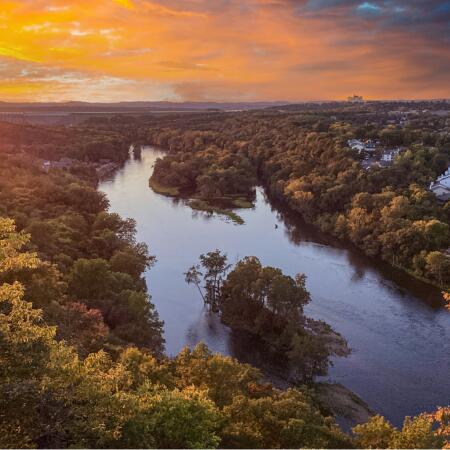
pixel 389 155
pixel 360 146
pixel 356 144
pixel 63 163
pixel 441 187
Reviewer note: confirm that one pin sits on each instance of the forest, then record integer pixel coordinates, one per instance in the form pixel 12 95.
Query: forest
pixel 300 155
pixel 82 361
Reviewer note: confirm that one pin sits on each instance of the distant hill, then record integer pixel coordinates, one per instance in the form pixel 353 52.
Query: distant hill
pixel 72 107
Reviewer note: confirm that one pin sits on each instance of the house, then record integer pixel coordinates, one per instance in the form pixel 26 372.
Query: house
pixel 356 144
pixel 63 164
pixel 367 164
pixel 46 166
pixel 368 146
pixel 441 187
pixel 389 155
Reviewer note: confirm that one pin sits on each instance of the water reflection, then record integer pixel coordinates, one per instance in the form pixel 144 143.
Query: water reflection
pixel 399 334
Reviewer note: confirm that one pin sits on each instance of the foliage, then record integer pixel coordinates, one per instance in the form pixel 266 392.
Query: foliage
pixel 87 369
pixel 417 432
pixel 64 220
pixel 50 397
pixel 268 305
pixel 301 156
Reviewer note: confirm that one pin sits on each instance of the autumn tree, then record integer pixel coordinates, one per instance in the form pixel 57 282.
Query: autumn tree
pixel 215 267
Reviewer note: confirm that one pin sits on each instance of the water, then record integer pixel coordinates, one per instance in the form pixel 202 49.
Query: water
pixel 400 363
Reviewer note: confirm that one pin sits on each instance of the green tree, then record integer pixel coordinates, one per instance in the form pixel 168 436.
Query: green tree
pixel 417 432
pixel 286 420
pixel 215 268
pixel 438 266
pixel 376 433
pixel 172 419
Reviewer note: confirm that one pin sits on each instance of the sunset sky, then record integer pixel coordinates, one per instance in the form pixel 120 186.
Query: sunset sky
pixel 111 50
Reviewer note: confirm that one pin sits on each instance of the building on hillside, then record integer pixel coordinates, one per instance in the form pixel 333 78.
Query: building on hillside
pixel 368 163
pixel 389 155
pixel 63 164
pixel 368 146
pixel 356 144
pixel 441 187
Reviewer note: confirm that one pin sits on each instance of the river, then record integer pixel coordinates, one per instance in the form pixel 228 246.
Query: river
pixel 400 338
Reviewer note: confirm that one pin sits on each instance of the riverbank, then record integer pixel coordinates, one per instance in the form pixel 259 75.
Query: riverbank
pixel 163 190
pixel 282 203
pixel 372 305
pixel 348 409
pixel 211 207
pixel 222 206
pixel 201 205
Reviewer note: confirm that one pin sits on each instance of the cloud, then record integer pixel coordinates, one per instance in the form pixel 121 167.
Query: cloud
pixel 369 8
pixel 426 16
pixel 53 84
pixel 125 3
pixel 225 49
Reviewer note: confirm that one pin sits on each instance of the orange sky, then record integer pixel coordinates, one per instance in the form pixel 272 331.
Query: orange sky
pixel 110 50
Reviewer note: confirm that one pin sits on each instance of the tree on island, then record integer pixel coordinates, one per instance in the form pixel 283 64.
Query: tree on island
pixel 265 304
pixel 215 266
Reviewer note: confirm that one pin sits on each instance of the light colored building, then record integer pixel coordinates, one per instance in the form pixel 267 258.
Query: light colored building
pixel 441 187
pixel 390 155
pixel 63 164
pixel 356 99
pixel 360 146
pixel 370 146
pixel 356 144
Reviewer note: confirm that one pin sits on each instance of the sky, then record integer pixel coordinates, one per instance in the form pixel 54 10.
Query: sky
pixel 223 50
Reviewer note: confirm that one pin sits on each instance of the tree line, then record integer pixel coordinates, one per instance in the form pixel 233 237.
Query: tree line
pixel 303 160
pixel 82 360
pixel 53 397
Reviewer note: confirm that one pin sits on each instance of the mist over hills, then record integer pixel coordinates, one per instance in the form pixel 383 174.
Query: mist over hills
pixel 141 106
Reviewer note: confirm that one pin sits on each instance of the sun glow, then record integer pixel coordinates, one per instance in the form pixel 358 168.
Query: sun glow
pixel 204 50
pixel 125 3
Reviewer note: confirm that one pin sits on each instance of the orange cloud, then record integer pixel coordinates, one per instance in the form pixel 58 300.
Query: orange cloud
pixel 125 3
pixel 198 49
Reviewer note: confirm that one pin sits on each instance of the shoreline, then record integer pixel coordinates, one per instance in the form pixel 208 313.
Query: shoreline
pixel 174 192
pixel 292 221
pixel 222 206
pixel 347 244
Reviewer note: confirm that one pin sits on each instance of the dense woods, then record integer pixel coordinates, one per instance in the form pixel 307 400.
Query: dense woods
pixel 82 360
pixel 51 397
pixel 91 268
pixel 302 158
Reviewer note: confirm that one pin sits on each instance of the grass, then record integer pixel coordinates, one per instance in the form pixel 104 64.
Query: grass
pixel 229 201
pixel 201 205
pixel 242 202
pixel 221 206
pixel 170 191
